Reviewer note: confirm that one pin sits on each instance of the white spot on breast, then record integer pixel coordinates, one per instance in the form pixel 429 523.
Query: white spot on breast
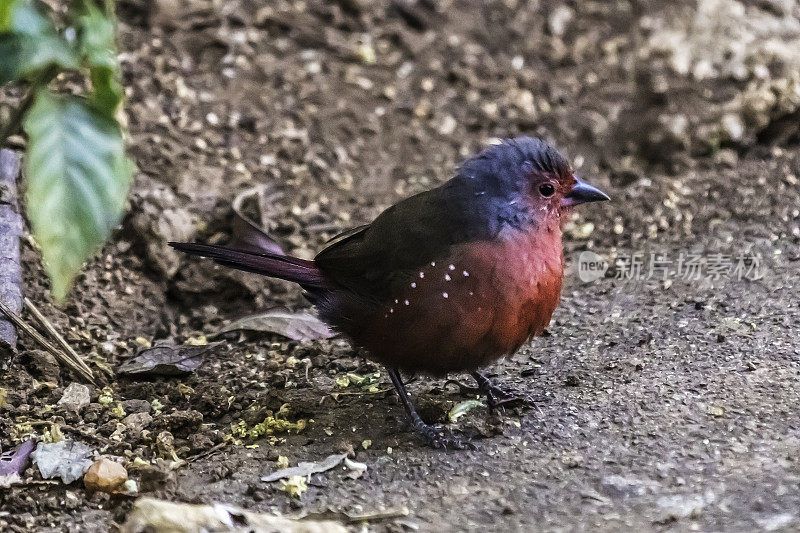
pixel 466 274
pixel 391 309
pixel 433 263
pixel 421 275
pixel 413 284
pixel 405 302
pixel 471 293
pixel 396 301
pixel 452 267
pixel 445 295
pixel 447 277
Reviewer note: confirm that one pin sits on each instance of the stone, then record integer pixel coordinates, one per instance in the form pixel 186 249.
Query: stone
pixel 75 397
pixel 66 459
pixel 105 475
pixel 136 422
pixel 136 406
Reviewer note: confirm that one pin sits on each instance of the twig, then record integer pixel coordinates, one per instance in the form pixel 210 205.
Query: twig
pixel 72 429
pixel 10 230
pixel 202 455
pixel 369 516
pixel 361 393
pixel 58 354
pixel 48 326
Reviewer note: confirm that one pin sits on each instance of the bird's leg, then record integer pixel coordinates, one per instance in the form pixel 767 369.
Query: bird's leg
pixel 497 396
pixel 462 388
pixel 434 437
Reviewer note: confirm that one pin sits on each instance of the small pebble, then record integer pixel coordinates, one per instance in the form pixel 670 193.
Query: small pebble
pixel 75 397
pixel 105 476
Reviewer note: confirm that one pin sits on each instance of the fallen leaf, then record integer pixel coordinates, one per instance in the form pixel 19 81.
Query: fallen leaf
pixel 306 468
pixel 297 326
pixel 460 409
pixel 166 360
pixel 13 464
pixel 67 459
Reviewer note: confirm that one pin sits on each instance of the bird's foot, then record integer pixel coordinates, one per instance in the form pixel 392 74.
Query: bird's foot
pixel 441 438
pixel 435 437
pixel 462 388
pixel 497 396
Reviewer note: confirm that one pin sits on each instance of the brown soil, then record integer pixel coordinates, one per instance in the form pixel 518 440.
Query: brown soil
pixel 662 407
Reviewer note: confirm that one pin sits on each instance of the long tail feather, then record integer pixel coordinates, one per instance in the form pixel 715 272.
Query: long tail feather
pixel 279 266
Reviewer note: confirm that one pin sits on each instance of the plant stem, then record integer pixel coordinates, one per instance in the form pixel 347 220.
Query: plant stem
pixel 15 122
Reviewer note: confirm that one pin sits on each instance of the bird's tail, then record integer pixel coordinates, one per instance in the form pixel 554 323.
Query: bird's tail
pixel 300 271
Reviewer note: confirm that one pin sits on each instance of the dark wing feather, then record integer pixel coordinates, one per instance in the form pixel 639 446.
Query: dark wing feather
pixel 371 259
pixel 345 235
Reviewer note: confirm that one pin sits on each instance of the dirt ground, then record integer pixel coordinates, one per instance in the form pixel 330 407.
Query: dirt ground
pixel 663 405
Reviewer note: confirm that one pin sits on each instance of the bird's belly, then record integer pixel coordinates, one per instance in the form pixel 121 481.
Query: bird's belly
pixel 463 312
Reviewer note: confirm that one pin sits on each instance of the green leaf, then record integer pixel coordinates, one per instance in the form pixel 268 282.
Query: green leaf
pixel 6 8
pixel 97 45
pixel 463 408
pixel 78 179
pixel 107 89
pixel 24 55
pixel 29 42
pixel 25 17
pixel 96 34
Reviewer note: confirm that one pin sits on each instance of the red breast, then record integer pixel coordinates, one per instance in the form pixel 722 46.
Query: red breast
pixel 481 302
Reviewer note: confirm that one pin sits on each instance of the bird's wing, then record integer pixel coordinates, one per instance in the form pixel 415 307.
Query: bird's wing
pixel 371 259
pixel 345 235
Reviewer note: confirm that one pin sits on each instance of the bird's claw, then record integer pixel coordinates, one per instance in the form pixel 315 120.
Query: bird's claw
pixel 498 397
pixel 442 438
pixel 463 389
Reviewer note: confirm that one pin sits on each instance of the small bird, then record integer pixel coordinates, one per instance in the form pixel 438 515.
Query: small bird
pixel 448 280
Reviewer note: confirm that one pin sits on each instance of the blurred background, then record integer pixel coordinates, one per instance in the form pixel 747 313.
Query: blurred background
pixel 347 106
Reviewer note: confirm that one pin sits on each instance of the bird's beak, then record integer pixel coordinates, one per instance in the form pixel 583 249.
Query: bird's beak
pixel 582 193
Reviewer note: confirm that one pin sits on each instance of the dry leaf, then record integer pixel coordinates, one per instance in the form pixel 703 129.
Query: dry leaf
pixel 166 360
pixel 306 468
pixel 297 326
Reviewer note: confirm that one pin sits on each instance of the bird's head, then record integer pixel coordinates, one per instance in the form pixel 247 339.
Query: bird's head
pixel 528 171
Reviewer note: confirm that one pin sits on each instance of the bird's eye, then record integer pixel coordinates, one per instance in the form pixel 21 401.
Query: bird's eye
pixel 547 189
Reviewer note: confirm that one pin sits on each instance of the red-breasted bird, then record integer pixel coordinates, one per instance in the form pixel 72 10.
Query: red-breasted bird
pixel 448 280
